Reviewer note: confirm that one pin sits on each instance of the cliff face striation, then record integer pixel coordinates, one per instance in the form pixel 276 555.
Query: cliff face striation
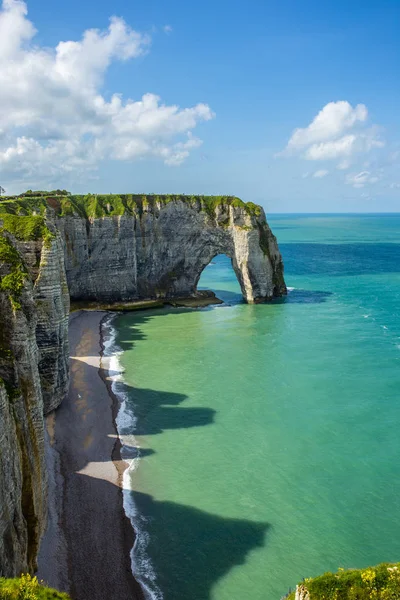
pixel 107 249
pixel 34 308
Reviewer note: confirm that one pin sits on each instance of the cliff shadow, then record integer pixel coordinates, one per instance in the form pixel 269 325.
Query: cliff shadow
pixel 192 549
pixel 143 316
pixel 147 411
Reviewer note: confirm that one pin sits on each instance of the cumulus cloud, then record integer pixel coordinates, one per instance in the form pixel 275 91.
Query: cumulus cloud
pixel 320 173
pixel 167 29
pixel 359 180
pixel 53 116
pixel 330 122
pixel 337 133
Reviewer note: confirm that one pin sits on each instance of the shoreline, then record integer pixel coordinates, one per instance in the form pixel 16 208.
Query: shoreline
pixel 87 547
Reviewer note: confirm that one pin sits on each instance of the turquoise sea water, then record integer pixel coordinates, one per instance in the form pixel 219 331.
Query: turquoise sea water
pixel 269 434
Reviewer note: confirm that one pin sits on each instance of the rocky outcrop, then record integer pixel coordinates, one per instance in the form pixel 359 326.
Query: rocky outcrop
pixel 302 593
pixel 34 308
pixel 160 249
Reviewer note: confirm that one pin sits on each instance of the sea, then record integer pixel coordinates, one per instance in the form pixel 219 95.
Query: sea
pixel 263 441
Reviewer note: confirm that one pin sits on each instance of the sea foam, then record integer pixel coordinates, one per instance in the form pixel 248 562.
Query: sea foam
pixel 141 565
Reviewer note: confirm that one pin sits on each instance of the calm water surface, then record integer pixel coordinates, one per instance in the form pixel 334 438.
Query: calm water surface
pixel 269 434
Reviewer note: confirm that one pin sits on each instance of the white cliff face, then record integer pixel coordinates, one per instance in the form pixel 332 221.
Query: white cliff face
pixel 51 298
pixel 161 252
pixel 23 478
pixel 33 357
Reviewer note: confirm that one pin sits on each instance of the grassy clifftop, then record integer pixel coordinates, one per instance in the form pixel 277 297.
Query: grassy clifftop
pixel 27 588
pixel 13 272
pixel 90 206
pixel 379 583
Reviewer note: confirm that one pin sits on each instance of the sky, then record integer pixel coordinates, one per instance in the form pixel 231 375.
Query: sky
pixel 292 105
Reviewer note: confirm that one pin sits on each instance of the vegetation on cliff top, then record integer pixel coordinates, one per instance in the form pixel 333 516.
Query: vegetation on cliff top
pixel 26 228
pixel 90 206
pixel 27 588
pixel 13 281
pixel 380 583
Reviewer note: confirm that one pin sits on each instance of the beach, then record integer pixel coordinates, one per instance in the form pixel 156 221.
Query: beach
pixel 87 545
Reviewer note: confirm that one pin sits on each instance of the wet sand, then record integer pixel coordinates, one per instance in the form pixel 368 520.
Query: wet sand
pixel 86 549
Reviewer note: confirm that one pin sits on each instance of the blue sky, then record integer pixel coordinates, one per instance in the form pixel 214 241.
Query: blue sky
pixel 234 80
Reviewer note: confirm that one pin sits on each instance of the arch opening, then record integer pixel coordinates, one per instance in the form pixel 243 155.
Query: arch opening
pixel 219 276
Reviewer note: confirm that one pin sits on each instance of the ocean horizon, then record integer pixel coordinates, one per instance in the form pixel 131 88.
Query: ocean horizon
pixel 263 439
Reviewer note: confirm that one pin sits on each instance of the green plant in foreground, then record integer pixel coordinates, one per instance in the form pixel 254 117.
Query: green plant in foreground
pixel 379 583
pixel 27 588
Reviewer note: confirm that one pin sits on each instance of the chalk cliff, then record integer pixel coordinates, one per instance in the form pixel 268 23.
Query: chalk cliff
pixel 103 248
pixel 34 307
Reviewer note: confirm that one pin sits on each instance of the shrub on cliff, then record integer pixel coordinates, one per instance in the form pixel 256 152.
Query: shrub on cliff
pixel 380 583
pixel 27 588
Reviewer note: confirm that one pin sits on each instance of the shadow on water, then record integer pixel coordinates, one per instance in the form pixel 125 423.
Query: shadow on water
pixel 340 259
pixel 195 548
pixel 157 411
pixel 154 410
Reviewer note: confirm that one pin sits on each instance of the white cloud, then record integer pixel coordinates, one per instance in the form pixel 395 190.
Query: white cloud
pixel 336 133
pixel 167 29
pixel 359 180
pixel 53 117
pixel 330 122
pixel 320 173
pixel 328 150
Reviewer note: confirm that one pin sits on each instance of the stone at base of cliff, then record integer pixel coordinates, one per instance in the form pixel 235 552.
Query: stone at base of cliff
pixel 203 298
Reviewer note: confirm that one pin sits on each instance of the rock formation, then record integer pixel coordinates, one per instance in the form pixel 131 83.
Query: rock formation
pixel 302 593
pixel 159 248
pixel 104 248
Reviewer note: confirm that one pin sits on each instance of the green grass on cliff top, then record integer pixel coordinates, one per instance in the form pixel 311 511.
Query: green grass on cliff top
pixel 380 583
pixel 27 588
pixel 100 205
pixel 25 228
pixel 13 281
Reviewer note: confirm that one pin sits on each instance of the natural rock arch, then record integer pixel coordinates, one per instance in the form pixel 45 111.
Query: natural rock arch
pixel 160 250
